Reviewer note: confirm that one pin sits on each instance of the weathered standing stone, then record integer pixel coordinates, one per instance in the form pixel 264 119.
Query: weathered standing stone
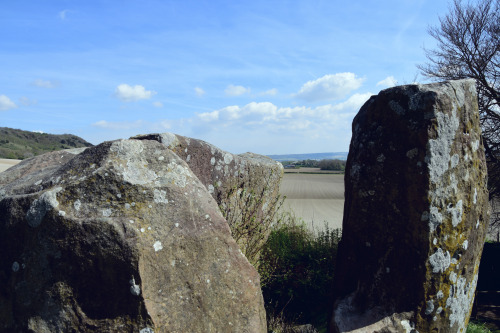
pixel 122 237
pixel 226 176
pixel 416 212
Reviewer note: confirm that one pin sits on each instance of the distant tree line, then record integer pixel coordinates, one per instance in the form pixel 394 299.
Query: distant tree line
pixel 338 165
pixel 328 164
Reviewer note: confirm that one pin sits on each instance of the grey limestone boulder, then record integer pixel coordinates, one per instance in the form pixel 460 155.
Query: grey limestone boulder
pixel 120 237
pixel 415 214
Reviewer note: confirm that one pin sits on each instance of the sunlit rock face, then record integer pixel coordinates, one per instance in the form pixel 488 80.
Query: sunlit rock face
pixel 416 212
pixel 230 179
pixel 120 237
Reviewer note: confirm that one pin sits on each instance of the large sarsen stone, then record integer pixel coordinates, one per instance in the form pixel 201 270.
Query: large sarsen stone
pixel 416 212
pixel 122 237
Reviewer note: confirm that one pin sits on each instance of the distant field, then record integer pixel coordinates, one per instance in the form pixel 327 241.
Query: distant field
pixel 315 198
pixel 6 163
pixel 310 170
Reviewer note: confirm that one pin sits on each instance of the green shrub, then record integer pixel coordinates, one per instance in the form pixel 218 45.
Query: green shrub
pixel 477 328
pixel 250 205
pixel 296 268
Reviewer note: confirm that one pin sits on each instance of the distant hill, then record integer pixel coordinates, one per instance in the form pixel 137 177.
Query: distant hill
pixel 19 144
pixel 314 156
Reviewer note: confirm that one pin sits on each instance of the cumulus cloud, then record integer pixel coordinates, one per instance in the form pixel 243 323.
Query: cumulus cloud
pixel 286 118
pixel 45 83
pixel 329 87
pixel 127 93
pixel 199 91
pixel 232 90
pixel 6 103
pixel 388 82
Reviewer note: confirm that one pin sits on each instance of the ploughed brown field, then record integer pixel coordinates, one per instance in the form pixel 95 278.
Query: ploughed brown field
pixel 316 198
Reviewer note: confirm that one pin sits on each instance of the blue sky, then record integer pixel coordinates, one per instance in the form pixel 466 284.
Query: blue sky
pixel 270 77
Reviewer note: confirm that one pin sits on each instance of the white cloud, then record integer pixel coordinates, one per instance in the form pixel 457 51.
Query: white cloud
pixel 274 129
pixel 199 91
pixel 329 87
pixel 45 83
pixel 232 90
pixel 158 104
pixel 127 93
pixel 274 118
pixel 388 82
pixel 6 103
pixel 270 92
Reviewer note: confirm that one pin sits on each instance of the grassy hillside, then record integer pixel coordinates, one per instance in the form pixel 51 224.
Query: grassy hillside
pixel 18 144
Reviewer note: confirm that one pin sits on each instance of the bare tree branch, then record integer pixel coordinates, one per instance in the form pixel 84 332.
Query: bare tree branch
pixel 468 46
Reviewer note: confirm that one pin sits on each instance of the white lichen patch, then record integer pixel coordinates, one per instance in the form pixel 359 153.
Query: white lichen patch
pixel 474 199
pixel 169 139
pixel 134 288
pixel 453 277
pixel 435 218
pixel 40 207
pixel 160 196
pixel 135 171
pixel 178 174
pixel 107 212
pixel 460 300
pixel 440 261
pixel 147 330
pixel 475 145
pixel 429 307
pixel 212 161
pixel 465 244
pixel 211 189
pixel 439 149
pixel 157 246
pixel 62 213
pixel 228 158
pixel 77 204
pixel 456 213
